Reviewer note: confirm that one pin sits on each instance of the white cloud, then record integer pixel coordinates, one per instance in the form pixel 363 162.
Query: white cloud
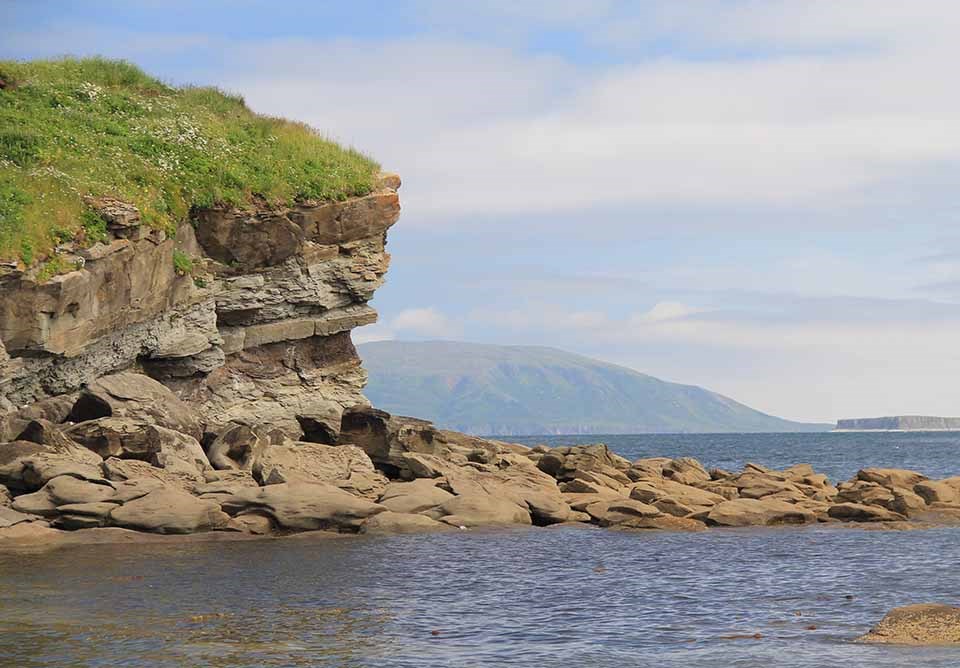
pixel 370 333
pixel 823 361
pixel 490 131
pixel 424 322
pixel 662 311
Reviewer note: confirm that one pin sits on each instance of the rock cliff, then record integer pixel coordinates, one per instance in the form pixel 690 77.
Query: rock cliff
pixel 900 423
pixel 245 313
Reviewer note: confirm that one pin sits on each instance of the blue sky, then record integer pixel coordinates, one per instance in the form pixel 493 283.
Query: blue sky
pixel 758 196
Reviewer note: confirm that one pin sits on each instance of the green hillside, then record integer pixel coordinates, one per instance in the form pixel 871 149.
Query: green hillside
pixel 73 128
pixel 487 389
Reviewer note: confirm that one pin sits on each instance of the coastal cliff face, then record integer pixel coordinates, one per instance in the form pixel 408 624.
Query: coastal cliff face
pixel 900 423
pixel 244 313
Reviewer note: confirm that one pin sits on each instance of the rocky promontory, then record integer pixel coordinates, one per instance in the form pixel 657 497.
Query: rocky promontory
pixel 176 353
pixel 137 396
pixel 900 423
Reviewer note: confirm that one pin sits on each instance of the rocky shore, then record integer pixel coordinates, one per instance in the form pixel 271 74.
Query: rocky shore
pixel 205 381
pixel 145 466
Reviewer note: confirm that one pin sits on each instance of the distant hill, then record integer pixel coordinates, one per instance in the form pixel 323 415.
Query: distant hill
pixel 487 389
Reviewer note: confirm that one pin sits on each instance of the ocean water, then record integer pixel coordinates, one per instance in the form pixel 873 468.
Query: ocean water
pixel 839 455
pixel 762 598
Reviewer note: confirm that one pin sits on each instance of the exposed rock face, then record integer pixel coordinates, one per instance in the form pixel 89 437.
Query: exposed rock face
pixel 900 423
pixel 920 624
pixel 135 397
pixel 258 335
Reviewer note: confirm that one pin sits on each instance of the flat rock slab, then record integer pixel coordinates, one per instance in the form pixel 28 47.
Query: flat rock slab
pixel 169 510
pixel 395 523
pixel 758 512
pixel 920 624
pixel 304 506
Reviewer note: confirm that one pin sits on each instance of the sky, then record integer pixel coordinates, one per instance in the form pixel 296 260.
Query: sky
pixel 756 196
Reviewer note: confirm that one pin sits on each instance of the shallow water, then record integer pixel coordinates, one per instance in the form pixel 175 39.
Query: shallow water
pixel 837 454
pixel 537 597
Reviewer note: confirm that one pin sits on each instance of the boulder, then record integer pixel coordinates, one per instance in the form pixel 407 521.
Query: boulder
pixel 396 523
pixel 345 466
pixel 135 396
pixel 322 425
pixel 27 466
pixel 237 447
pixel 906 502
pixel 476 509
pixel 673 507
pixel 127 438
pixel 35 503
pixel 128 490
pixel 222 484
pixel 44 432
pixel 758 512
pixel 83 515
pixel 610 478
pixel 857 512
pixel 10 517
pixel 259 525
pixel 5 497
pixel 304 506
pixel 619 511
pixel 53 410
pixel 185 478
pixel 417 496
pixel 685 470
pixel 919 624
pixel 661 523
pixel 390 439
pixel 386 438
pixel 891 478
pixel 865 493
pixel 562 462
pixel 578 501
pixel 169 510
pixel 650 492
pixel 648 467
pixel 937 491
pixel 67 489
pixel 41 468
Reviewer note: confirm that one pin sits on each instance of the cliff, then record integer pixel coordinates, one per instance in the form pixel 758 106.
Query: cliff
pixel 900 423
pixel 259 326
pixel 178 283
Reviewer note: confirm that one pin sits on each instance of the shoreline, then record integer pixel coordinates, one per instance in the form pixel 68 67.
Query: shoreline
pixel 12 540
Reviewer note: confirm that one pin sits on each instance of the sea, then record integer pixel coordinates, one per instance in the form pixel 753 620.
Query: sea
pixel 539 597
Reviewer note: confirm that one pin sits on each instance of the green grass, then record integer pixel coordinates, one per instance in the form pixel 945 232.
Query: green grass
pixel 182 263
pixel 76 127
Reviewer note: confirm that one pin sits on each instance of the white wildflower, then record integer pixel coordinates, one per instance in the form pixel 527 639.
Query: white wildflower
pixel 90 91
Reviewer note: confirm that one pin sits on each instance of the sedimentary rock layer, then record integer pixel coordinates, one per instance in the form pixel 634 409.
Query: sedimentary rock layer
pixel 245 312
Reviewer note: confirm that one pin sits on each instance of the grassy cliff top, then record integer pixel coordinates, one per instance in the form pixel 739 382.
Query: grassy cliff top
pixel 76 127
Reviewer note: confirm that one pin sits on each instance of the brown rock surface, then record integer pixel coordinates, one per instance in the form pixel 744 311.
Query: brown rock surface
pixel 919 624
pixel 304 506
pixel 169 510
pixel 758 512
pixel 394 523
pixel 857 512
pixel 135 396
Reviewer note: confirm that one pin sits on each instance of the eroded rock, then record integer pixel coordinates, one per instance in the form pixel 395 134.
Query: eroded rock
pixel 304 506
pixel 919 624
pixel 758 512
pixel 169 510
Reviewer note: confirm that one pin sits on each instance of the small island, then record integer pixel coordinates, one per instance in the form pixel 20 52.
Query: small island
pixel 900 423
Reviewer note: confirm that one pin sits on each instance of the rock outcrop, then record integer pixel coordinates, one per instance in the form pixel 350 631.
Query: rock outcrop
pixel 920 624
pixel 135 396
pixel 258 334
